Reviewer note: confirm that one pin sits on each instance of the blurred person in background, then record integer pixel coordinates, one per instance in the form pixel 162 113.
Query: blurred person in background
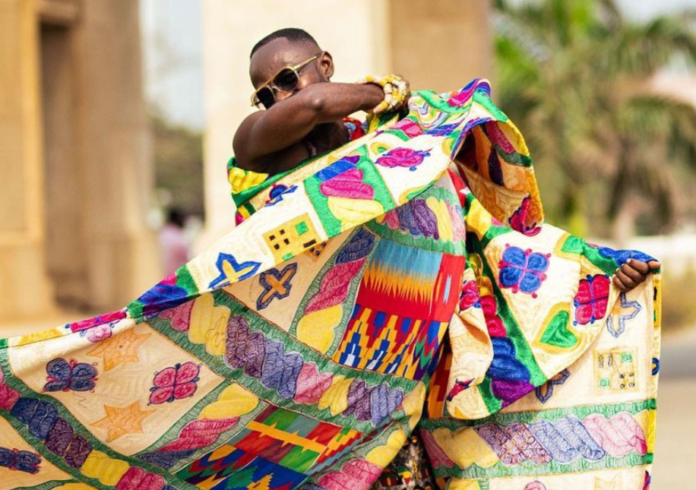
pixel 175 246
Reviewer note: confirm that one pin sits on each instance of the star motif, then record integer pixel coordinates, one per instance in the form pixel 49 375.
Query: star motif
pixel 613 484
pixel 119 349
pixel 623 317
pixel 120 421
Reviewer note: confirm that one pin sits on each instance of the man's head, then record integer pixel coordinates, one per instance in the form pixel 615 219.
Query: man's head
pixel 289 48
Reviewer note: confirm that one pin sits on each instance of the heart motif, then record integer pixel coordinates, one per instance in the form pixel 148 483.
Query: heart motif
pixel 311 384
pixel 348 184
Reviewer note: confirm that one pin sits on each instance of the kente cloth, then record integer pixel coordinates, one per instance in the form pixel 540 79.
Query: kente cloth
pixel 402 286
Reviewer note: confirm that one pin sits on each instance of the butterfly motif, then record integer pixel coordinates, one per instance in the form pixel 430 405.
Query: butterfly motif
pixel 523 270
pixel 592 299
pixel 70 376
pixel 175 383
pixel 16 459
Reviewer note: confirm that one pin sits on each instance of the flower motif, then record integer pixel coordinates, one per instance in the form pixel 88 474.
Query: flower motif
pixel 402 157
pixel 179 317
pixel 591 299
pixel 175 383
pixel 523 270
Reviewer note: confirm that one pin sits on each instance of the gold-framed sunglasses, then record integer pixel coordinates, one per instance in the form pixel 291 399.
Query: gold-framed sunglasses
pixel 285 80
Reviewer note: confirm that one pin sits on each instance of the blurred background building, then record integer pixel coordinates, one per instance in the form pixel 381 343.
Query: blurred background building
pixel 113 113
pixel 75 155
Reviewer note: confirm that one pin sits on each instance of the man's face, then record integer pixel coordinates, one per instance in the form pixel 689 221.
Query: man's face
pixel 280 53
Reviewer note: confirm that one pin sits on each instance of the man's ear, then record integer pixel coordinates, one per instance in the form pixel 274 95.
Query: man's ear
pixel 326 64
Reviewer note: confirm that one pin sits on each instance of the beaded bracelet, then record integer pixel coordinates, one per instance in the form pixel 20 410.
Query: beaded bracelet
pixel 396 91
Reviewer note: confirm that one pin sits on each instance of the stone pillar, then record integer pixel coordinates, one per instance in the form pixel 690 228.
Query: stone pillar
pixel 115 151
pixel 441 44
pixel 24 286
pixel 75 196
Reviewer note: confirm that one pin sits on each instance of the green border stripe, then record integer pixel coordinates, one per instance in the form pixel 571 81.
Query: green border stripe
pixel 273 332
pixel 37 444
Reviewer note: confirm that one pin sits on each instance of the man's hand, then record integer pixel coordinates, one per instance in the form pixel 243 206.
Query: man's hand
pixel 632 273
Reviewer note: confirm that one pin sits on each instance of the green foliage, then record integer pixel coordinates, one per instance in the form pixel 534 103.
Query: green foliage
pixel 574 75
pixel 179 165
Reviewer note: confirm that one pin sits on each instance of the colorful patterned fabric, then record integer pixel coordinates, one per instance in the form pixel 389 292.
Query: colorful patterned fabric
pixel 374 288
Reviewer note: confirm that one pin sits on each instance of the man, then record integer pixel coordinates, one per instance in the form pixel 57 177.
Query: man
pixel 299 349
pixel 304 118
pixel 304 110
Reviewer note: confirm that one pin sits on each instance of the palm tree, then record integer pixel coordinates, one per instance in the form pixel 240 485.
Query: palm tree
pixel 575 74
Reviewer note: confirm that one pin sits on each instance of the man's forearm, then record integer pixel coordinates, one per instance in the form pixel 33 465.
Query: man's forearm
pixel 291 120
pixel 334 101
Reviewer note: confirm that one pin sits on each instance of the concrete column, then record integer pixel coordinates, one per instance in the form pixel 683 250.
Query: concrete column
pixel 24 286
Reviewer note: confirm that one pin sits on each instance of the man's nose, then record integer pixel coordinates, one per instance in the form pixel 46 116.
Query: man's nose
pixel 282 95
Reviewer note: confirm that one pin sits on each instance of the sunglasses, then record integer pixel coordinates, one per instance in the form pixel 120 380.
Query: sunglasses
pixel 286 80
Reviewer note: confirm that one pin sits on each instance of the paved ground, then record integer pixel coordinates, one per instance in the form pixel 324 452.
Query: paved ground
pixel 676 434
pixel 676 419
pixel 676 422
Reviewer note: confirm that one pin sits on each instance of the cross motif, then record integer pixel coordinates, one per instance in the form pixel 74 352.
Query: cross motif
pixel 545 391
pixel 623 318
pixel 276 284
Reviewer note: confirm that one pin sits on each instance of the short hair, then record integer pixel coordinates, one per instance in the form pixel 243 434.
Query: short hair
pixel 290 33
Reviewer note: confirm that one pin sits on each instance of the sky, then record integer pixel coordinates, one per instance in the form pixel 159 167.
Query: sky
pixel 172 45
pixel 172 33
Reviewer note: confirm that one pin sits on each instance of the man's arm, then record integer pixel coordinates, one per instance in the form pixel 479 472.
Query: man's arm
pixel 288 122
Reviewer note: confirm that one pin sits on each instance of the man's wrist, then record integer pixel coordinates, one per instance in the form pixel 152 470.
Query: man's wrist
pixel 374 94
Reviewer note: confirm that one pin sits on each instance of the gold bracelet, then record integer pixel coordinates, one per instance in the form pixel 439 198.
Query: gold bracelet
pixel 396 91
